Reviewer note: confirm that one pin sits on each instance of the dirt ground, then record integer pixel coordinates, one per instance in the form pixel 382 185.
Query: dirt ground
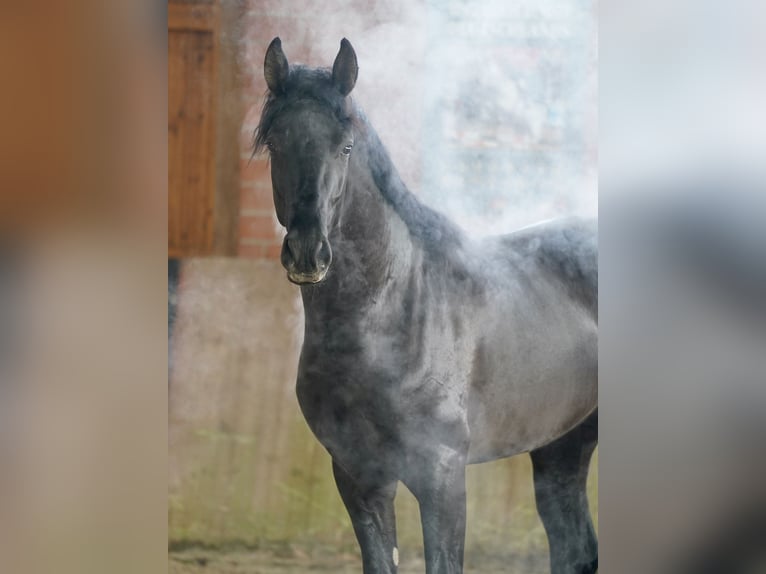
pixel 196 561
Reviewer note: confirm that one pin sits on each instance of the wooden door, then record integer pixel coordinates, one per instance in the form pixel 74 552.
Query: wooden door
pixel 201 220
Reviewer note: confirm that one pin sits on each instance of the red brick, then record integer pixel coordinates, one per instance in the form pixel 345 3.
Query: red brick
pixel 251 120
pixel 246 138
pixel 265 250
pixel 257 227
pixel 253 98
pixel 255 171
pixel 251 251
pixel 273 251
pixel 259 198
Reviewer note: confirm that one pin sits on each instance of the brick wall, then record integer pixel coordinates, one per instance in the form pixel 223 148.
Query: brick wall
pixel 259 234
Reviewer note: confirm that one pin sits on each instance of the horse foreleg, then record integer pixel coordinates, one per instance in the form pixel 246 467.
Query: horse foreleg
pixel 371 508
pixel 440 490
pixel 560 475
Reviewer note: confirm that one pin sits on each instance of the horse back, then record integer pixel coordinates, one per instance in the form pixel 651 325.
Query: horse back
pixel 566 250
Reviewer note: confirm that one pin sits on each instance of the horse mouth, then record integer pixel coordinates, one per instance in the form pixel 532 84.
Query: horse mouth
pixel 306 278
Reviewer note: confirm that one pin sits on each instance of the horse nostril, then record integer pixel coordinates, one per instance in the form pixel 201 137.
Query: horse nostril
pixel 297 256
pixel 289 252
pixel 293 248
pixel 323 255
pixel 321 263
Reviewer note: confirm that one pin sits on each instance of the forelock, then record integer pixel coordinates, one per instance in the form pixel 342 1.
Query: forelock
pixel 303 83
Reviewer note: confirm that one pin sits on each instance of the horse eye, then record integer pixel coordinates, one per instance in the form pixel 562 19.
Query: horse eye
pixel 271 146
pixel 347 149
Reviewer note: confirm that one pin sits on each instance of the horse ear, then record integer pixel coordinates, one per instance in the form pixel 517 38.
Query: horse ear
pixel 275 67
pixel 345 69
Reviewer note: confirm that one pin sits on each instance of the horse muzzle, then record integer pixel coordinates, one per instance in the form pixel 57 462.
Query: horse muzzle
pixel 306 258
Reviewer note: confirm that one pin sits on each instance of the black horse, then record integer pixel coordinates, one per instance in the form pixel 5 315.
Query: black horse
pixel 424 350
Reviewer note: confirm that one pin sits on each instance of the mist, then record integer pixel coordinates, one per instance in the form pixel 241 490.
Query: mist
pixel 488 109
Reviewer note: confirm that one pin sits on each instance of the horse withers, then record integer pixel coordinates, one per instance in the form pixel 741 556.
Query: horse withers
pixel 424 350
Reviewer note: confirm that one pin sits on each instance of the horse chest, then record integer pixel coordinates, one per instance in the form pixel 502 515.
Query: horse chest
pixel 378 389
pixel 355 426
pixel 377 422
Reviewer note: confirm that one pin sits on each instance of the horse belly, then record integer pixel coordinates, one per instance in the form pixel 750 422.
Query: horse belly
pixel 533 382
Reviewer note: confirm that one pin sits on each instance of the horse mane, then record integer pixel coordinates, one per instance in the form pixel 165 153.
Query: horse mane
pixel 435 232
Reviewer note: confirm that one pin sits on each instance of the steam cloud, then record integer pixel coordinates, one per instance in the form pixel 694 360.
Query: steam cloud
pixel 488 109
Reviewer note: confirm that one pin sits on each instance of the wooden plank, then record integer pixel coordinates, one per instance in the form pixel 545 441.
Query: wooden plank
pixel 175 253
pixel 192 17
pixel 212 90
pixel 192 88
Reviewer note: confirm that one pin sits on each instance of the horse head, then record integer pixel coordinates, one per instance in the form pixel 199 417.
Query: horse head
pixel 307 127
